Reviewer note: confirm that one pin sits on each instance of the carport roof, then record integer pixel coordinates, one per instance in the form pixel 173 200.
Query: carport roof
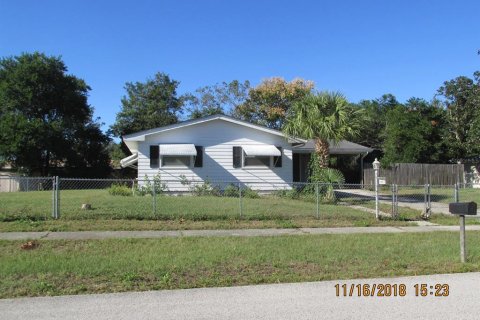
pixel 342 147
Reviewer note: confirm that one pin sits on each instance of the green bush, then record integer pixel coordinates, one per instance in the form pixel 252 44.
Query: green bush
pixel 200 189
pixel 149 187
pixel 231 191
pixel 247 192
pixel 119 190
pixel 288 194
pixel 328 178
pixel 206 189
pixel 304 193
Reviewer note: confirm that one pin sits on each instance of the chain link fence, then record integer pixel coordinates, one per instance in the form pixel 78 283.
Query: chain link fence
pixel 39 198
pixel 27 198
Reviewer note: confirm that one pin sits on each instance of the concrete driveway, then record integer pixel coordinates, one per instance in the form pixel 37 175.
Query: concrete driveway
pixel 315 300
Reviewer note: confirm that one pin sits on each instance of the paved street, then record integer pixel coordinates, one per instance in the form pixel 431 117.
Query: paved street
pixel 314 300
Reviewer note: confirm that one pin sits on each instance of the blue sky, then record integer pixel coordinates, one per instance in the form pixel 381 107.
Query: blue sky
pixel 361 48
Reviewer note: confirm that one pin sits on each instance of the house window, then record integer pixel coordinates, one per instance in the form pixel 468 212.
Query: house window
pixel 260 156
pixel 178 155
pixel 176 161
pixel 256 161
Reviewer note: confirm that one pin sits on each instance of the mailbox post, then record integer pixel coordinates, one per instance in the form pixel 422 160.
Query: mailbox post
pixel 462 209
pixel 376 168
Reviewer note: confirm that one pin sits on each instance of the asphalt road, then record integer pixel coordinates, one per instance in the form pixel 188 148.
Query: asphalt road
pixel 314 300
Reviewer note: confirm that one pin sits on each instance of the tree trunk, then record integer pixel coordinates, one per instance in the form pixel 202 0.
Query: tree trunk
pixel 322 151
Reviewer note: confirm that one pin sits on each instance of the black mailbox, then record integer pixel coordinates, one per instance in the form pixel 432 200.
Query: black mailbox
pixel 463 208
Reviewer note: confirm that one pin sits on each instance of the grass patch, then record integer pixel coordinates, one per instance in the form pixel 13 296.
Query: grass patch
pixel 441 194
pixel 30 211
pixel 360 219
pixel 469 194
pixel 407 214
pixel 38 205
pixel 97 266
pixel 453 221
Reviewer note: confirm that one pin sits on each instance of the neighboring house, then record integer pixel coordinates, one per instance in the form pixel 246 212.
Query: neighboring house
pixel 220 149
pixel 8 183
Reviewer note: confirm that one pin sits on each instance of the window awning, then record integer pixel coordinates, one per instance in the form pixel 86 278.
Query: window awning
pixel 178 150
pixel 264 150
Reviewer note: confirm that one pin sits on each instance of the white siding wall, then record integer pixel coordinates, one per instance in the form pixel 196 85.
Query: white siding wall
pixel 218 138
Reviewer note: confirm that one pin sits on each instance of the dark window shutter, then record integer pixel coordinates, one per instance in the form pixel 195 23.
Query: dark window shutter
pixel 277 161
pixel 199 157
pixel 154 156
pixel 237 157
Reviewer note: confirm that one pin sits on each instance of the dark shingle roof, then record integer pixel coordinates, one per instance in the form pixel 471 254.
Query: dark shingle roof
pixel 342 147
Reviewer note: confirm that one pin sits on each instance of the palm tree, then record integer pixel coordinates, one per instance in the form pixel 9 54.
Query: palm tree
pixel 325 117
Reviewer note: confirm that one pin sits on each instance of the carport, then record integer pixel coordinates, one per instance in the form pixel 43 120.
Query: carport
pixel 302 154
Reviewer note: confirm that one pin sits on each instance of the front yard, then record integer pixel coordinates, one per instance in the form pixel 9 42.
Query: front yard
pixel 31 211
pixel 96 266
pixel 93 266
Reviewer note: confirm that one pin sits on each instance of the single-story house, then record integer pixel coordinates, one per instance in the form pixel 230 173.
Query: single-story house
pixel 223 149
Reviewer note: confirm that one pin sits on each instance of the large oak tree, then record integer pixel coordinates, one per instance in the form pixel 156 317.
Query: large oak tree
pixel 461 97
pixel 269 102
pixel 221 98
pixel 46 123
pixel 414 133
pixel 150 104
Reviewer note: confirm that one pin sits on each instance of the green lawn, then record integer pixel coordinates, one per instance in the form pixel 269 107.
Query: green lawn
pixel 95 266
pixel 357 219
pixel 441 194
pixel 31 211
pixel 469 194
pixel 407 214
pixel 35 205
pixel 38 205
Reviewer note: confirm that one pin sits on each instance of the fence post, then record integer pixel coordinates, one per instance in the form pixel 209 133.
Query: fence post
pixel 394 200
pixel 54 196
pixel 57 197
pixel 240 199
pixel 456 196
pixel 392 189
pixel 427 199
pixel 317 191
